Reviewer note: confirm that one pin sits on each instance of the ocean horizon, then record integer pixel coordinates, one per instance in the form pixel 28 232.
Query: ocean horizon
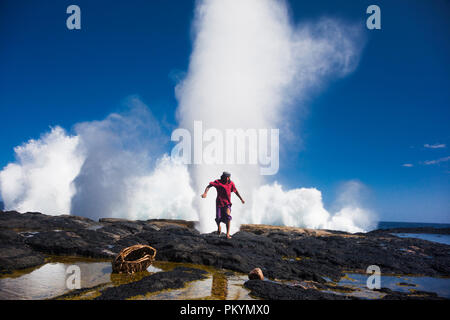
pixel 399 224
pixel 439 238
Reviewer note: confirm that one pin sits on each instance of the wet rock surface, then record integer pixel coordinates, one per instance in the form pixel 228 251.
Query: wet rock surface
pixel 35 221
pixel 15 254
pixel 174 279
pixel 276 291
pixel 416 295
pixel 281 252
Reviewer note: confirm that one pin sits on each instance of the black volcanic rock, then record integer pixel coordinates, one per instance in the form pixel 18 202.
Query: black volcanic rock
pixel 15 254
pixel 276 291
pixel 281 252
pixel 35 221
pixel 86 243
pixel 174 279
pixel 414 295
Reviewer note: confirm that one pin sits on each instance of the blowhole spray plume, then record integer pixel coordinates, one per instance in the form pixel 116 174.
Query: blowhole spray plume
pixel 251 68
pixel 248 66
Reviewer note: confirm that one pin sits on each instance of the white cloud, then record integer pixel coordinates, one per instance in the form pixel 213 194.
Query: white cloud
pixel 435 146
pixel 409 165
pixel 437 161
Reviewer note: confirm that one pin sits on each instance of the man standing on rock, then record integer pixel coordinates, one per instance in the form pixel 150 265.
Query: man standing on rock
pixel 224 187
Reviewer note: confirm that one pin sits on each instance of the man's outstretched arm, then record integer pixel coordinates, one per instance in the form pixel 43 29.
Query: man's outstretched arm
pixel 206 191
pixel 239 196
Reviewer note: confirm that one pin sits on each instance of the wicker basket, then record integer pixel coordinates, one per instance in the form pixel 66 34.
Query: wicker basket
pixel 133 259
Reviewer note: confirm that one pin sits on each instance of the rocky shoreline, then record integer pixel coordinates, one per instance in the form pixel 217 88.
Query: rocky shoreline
pixel 282 253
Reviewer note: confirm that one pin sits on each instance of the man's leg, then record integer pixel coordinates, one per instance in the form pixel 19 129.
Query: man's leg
pixel 228 224
pixel 218 215
pixel 218 228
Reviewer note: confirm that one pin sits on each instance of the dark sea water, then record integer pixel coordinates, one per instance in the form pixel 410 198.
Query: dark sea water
pixel 391 224
pixel 440 238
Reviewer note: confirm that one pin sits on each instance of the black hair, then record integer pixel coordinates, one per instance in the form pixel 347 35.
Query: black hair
pixel 225 174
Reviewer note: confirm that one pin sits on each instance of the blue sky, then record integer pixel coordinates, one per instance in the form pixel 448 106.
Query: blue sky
pixel 365 126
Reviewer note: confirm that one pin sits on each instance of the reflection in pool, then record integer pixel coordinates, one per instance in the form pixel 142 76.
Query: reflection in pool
pixel 407 284
pixel 219 285
pixel 49 281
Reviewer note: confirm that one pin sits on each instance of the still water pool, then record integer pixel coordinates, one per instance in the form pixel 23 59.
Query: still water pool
pixel 50 281
pixel 407 284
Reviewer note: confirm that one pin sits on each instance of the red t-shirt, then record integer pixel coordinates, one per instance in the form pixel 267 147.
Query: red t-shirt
pixel 224 191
